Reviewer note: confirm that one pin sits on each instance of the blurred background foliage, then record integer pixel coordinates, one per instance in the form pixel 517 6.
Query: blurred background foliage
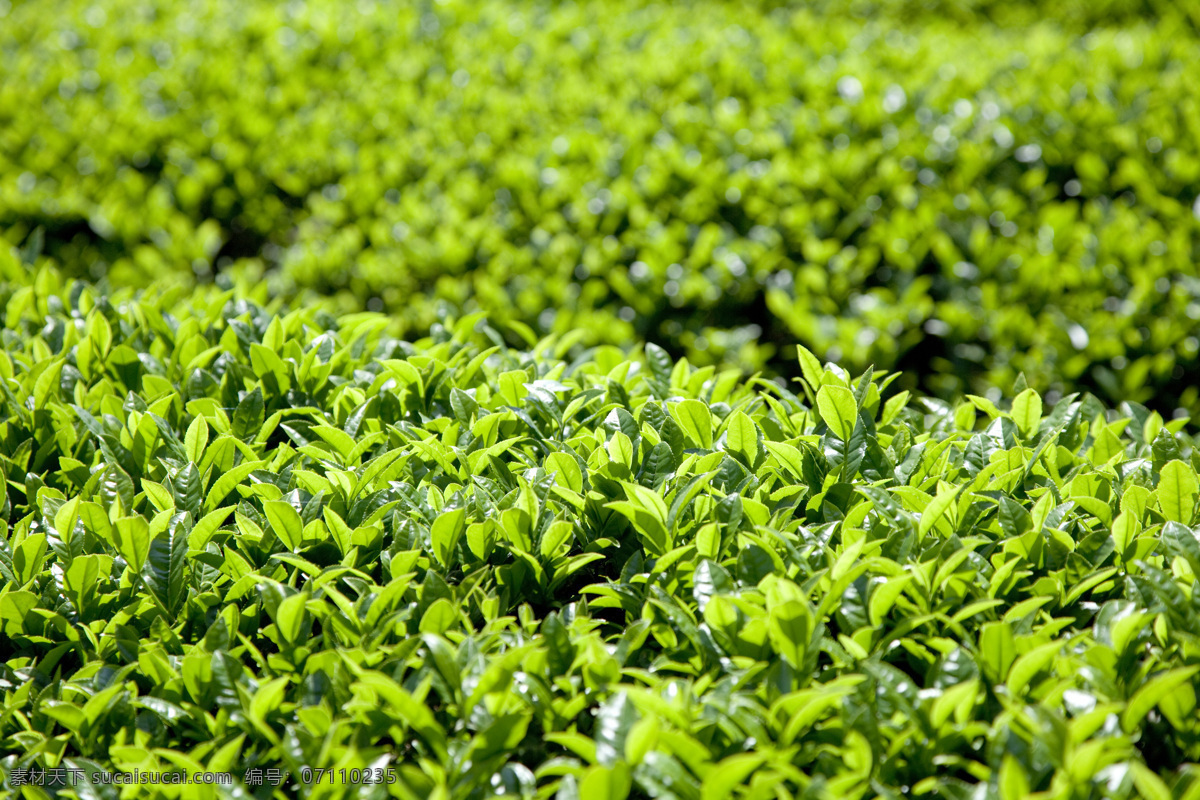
pixel 962 190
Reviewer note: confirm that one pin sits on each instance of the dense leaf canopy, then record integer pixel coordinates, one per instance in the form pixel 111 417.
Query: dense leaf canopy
pixel 885 183
pixel 600 400
pixel 241 539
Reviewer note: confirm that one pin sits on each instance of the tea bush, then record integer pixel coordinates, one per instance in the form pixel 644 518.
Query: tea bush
pixel 892 183
pixel 241 538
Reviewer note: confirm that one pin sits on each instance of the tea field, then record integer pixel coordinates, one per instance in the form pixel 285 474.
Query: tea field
pixel 600 400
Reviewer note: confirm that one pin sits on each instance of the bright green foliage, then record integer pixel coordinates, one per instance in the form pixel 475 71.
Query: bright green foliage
pixel 895 183
pixel 235 539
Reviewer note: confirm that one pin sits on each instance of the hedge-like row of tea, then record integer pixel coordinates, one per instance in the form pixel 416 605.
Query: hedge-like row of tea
pixel 1079 16
pixel 238 539
pixel 887 185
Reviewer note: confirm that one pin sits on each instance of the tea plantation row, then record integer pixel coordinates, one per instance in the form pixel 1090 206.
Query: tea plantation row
pixel 240 539
pixel 887 183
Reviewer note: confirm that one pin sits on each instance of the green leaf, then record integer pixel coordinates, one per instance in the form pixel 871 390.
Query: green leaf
pixel 614 719
pixel 47 384
pixel 80 577
pixel 165 570
pixel 131 536
pixel 266 701
pixel 730 773
pixel 709 579
pixel 578 744
pixel 660 363
pixel 642 737
pixel 648 500
pixel 957 699
pixel 997 649
pixel 159 497
pixel 65 518
pixel 937 509
pixel 1164 448
pixel 893 407
pixel 646 523
pixel 790 627
pixel 481 539
pixel 1125 530
pixel 248 416
pixel 14 609
pixel 438 618
pixel 810 368
pixel 742 438
pixel 196 440
pixel 1151 693
pixel 464 406
pixel 985 405
pixel 204 529
pixel 1027 412
pixel 788 456
pixel 341 442
pixel 446 531
pixel 267 364
pixel 606 783
pixel 501 736
pixel 1106 447
pixel 225 483
pixel 620 449
pixel 696 421
pixel 708 540
pixel 100 332
pixel 1149 785
pixel 884 597
pixel 838 410
pixel 405 709
pixel 1177 488
pixel 65 714
pixel 285 522
pixel 289 617
pixel 29 557
pixel 1030 665
pixel 1181 541
pixel 443 659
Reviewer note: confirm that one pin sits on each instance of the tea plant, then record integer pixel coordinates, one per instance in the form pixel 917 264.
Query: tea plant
pixel 891 183
pixel 237 536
